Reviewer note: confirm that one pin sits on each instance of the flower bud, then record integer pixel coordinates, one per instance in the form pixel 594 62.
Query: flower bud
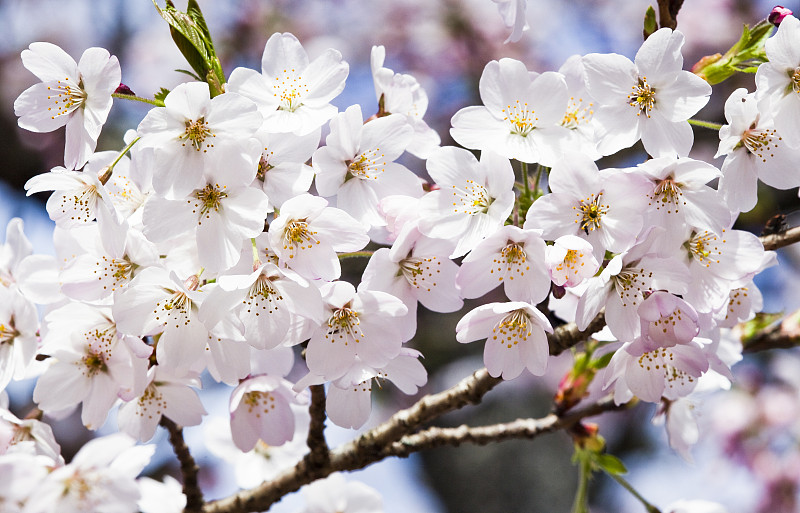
pixel 123 89
pixel 778 13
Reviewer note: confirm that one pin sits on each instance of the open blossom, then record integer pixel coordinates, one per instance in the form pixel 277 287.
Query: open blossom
pixel 78 197
pixel 260 409
pixel 520 117
pixel 778 80
pixel 101 477
pixel 77 95
pixel 415 269
pixel 357 164
pixel 602 207
pixel 188 134
pixel 515 337
pixel 308 233
pixel 362 327
pixel 667 320
pixel 649 374
pixel 165 395
pixel 349 400
pixel 474 199
pixel 511 256
pixel 292 93
pixel 19 325
pixel 402 94
pixel 92 363
pixel 218 215
pixel 649 99
pixel 754 150
pixel 570 260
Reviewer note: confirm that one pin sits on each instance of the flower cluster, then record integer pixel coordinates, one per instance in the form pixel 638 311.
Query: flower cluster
pixel 200 248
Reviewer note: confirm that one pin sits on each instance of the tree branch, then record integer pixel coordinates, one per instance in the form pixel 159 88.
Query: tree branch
pixel 364 450
pixel 189 469
pixel 782 239
pixel 520 428
pixel 568 335
pixel 668 13
pixel 320 454
pixel 781 335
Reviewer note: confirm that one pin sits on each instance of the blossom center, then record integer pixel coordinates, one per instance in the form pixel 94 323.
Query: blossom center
pixel 367 166
pixel 210 198
pixel 8 332
pixel 343 325
pixel 590 213
pixel 472 199
pixel 419 272
pixel 521 118
pixel 643 97
pixel 660 361
pixel 263 167
pixel 703 248
pixel 289 90
pixel 761 142
pixel 297 234
pixel 196 132
pixel 512 329
pixel 668 194
pixel 576 114
pixel 66 97
pixel 631 284
pixel 794 77
pixel 261 402
pixel 262 292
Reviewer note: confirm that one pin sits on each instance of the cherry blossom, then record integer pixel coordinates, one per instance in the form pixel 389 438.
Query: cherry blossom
pixel 648 99
pixel 515 337
pixel 292 93
pixel 77 95
pixel 521 117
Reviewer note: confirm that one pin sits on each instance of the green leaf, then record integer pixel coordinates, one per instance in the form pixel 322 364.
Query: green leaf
pixel 601 362
pixel 190 73
pixel 611 464
pixel 161 94
pixel 650 24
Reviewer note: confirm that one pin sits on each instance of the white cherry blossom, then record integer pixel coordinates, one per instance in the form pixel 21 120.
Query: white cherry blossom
pixel 515 337
pixel 292 93
pixel 475 197
pixel 648 99
pixel 77 95
pixel 521 114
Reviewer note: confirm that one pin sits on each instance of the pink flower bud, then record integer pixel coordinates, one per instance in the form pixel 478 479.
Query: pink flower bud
pixel 778 13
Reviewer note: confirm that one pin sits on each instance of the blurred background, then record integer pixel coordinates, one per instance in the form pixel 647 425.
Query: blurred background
pixel 748 456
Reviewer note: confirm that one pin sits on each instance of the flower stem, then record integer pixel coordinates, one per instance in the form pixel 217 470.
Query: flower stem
pixel 649 507
pixel 355 254
pixel 705 124
pixel 581 504
pixel 157 103
pixel 525 180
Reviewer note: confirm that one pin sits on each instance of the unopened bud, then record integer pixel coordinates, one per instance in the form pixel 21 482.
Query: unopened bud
pixel 192 282
pixel 105 174
pixel 778 13
pixel 586 436
pixel 123 89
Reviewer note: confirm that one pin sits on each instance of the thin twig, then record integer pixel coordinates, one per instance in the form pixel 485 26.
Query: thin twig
pixel 189 469
pixel 568 335
pixel 482 435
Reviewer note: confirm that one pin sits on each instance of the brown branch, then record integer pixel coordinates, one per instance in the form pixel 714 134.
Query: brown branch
pixel 320 454
pixel 780 335
pixel 568 335
pixel 518 429
pixel 782 239
pixel 364 450
pixel 189 469
pixel 668 13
